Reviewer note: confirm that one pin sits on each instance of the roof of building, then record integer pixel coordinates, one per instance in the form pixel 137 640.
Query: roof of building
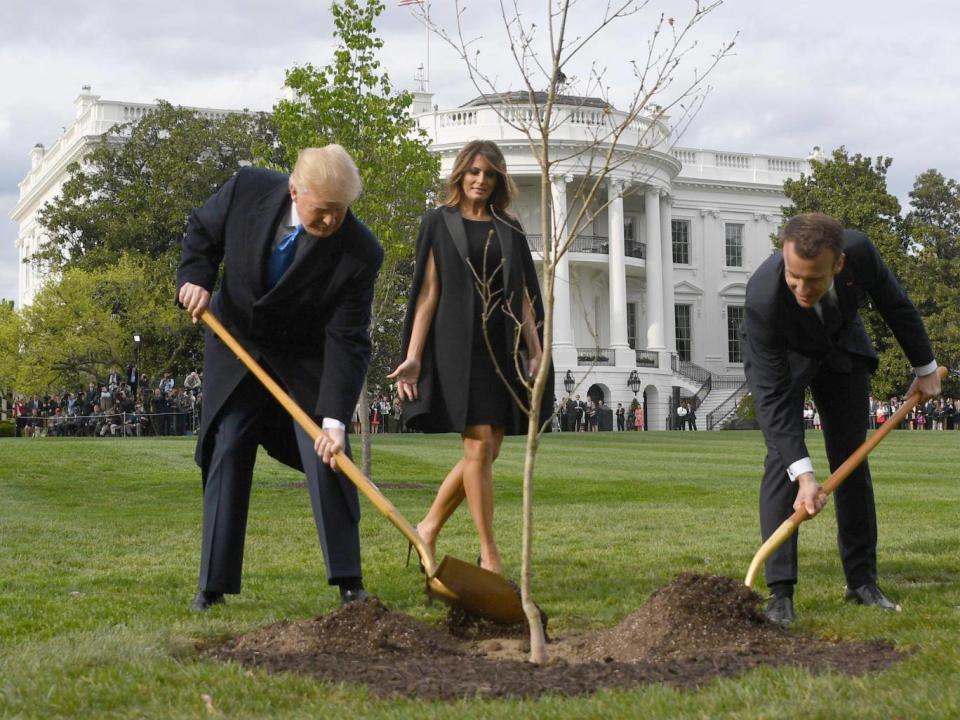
pixel 522 97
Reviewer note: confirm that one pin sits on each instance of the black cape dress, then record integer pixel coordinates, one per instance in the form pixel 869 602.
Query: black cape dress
pixel 456 387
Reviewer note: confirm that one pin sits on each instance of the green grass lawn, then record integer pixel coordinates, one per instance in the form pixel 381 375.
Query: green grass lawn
pixel 98 559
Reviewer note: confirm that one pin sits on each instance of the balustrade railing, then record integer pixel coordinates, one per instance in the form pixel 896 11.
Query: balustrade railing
pixel 689 370
pixel 727 407
pixel 648 359
pixel 595 356
pixel 593 244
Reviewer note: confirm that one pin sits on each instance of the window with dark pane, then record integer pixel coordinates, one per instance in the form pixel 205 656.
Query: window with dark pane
pixel 680 230
pixel 734 233
pixel 734 341
pixel 681 315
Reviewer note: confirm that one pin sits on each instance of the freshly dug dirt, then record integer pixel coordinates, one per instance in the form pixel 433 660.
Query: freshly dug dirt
pixel 689 632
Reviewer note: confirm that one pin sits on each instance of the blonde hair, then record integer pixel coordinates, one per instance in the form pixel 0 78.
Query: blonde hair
pixel 328 171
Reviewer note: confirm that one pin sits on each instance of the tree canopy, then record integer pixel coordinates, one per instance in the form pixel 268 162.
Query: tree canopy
pixel 132 193
pixel 82 326
pixel 129 198
pixel 933 229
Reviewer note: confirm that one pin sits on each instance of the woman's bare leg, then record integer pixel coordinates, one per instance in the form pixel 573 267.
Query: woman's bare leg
pixel 452 492
pixel 448 499
pixel 481 445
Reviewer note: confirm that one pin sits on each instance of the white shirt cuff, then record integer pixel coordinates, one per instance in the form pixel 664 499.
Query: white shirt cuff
pixel 333 424
pixel 801 466
pixel 925 369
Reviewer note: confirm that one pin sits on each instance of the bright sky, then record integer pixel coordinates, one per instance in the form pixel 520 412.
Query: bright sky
pixel 877 76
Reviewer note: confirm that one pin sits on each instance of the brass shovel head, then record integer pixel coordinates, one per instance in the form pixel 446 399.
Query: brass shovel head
pixel 477 591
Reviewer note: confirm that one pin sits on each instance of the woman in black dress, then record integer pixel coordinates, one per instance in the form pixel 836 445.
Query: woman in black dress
pixel 474 299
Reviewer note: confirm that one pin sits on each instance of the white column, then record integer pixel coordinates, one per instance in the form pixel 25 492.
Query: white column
pixel 654 264
pixel 616 276
pixel 564 351
pixel 666 245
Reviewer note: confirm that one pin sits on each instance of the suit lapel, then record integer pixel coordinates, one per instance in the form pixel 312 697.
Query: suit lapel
pixel 454 223
pixel 262 223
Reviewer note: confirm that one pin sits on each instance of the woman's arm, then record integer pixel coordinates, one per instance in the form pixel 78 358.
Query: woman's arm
pixel 407 374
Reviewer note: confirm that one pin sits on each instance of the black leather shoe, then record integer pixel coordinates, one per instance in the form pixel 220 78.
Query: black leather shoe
pixel 203 600
pixel 870 594
pixel 779 610
pixel 353 595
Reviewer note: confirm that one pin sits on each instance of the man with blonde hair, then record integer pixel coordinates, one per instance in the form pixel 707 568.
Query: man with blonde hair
pixel 296 290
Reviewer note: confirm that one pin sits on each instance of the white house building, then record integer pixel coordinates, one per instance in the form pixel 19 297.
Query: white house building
pixel 655 283
pixel 649 299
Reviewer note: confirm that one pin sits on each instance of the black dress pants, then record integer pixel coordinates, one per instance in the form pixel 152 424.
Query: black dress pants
pixel 841 398
pixel 246 416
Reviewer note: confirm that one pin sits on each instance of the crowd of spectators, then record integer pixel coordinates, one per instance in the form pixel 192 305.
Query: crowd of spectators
pixel 125 404
pixel 939 414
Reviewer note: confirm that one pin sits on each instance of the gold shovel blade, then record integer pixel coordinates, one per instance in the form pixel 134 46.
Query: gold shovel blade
pixel 477 591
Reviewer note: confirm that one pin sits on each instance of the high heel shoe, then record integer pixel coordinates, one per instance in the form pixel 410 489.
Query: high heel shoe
pixel 419 561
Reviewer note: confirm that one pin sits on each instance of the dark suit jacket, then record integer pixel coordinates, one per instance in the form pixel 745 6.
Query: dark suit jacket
pixel 310 330
pixel 445 368
pixel 786 344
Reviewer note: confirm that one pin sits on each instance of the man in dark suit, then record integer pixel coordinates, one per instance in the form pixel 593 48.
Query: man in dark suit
pixel 296 291
pixel 801 329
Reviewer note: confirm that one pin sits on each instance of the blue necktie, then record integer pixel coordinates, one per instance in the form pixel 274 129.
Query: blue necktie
pixel 282 256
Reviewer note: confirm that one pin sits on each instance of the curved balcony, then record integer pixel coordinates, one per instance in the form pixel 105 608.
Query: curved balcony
pixel 593 245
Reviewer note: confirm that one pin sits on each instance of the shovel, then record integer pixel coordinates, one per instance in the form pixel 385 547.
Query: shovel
pixel 460 584
pixel 790 525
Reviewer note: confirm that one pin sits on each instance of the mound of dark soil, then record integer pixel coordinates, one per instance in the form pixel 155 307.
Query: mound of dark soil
pixel 689 632
pixel 693 615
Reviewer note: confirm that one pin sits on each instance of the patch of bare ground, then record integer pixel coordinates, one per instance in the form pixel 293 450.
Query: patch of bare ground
pixel 689 632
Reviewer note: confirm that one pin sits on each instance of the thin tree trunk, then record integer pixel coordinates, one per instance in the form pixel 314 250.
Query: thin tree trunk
pixel 366 455
pixel 538 639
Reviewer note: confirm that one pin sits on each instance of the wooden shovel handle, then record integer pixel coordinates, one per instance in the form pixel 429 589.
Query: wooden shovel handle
pixel 344 463
pixel 789 526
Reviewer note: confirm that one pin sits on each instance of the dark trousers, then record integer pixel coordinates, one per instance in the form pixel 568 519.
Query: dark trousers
pixel 246 416
pixel 842 401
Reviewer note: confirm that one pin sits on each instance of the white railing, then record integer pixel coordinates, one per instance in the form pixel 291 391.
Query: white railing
pixel 730 160
pixel 786 165
pixel 687 157
pixel 581 121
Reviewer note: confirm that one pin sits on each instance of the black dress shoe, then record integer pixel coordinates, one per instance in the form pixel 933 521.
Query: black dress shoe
pixel 870 594
pixel 349 595
pixel 204 599
pixel 779 610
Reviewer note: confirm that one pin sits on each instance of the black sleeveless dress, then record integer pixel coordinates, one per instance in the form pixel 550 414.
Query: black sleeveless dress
pixel 488 401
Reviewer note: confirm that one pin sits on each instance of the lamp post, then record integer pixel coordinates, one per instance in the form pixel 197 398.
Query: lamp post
pixel 569 382
pixel 134 378
pixel 633 382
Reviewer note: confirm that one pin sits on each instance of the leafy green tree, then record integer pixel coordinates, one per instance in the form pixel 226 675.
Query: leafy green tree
pixel 933 227
pixel 352 102
pixel 133 191
pixel 77 329
pixel 9 345
pixel 853 189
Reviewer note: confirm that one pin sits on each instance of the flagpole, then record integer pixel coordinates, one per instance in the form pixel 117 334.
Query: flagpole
pixel 428 45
